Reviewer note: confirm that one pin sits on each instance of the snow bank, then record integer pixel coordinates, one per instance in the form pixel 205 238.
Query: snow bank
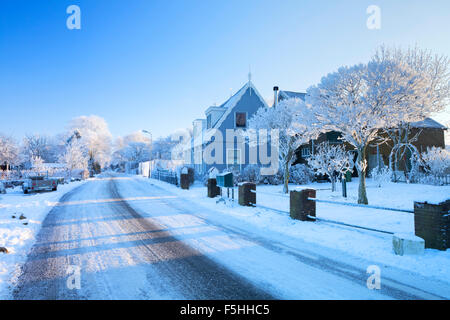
pixel 18 235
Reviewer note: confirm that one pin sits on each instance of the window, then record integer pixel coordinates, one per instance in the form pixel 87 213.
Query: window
pixel 241 119
pixel 208 122
pixel 306 152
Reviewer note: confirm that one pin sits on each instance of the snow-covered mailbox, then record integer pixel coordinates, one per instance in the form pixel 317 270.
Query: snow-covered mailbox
pixel 225 180
pixel 184 179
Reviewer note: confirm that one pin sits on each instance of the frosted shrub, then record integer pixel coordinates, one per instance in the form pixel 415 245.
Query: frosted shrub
pixel 251 173
pixel 436 162
pixel 332 160
pixel 301 174
pixel 275 179
pixel 381 175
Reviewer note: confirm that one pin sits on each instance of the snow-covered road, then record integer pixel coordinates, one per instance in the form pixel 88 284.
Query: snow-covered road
pixel 134 240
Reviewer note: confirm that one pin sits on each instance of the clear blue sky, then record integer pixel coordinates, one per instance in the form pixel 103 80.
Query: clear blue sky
pixel 158 65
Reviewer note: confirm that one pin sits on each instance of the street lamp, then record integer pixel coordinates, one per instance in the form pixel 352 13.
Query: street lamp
pixel 150 155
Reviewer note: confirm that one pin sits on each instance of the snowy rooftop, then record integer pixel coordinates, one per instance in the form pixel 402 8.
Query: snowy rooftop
pixel 292 94
pixel 227 106
pixel 428 123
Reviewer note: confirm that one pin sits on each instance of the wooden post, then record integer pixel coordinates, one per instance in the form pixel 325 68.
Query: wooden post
pixel 247 196
pixel 300 207
pixel 213 189
pixel 432 223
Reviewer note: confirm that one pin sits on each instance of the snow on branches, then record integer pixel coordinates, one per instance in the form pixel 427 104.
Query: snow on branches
pixel 293 120
pixel 75 156
pixel 332 160
pixel 8 150
pixel 94 134
pixel 393 88
pixel 436 161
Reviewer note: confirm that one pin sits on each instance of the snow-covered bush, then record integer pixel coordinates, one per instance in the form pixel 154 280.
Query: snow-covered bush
pixel 301 174
pixel 436 162
pixel 251 173
pixel 201 177
pixel 275 179
pixel 237 175
pixel 381 175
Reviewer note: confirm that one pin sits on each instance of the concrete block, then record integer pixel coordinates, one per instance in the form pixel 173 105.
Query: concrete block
pixel 407 244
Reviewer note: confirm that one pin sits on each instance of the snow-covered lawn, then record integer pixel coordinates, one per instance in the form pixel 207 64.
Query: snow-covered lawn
pixel 369 245
pixel 18 235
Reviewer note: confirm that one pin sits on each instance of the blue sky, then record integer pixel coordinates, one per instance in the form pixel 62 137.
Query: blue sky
pixel 158 65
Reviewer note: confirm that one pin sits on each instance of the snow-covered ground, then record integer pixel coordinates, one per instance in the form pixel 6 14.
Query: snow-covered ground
pixel 360 243
pixel 18 235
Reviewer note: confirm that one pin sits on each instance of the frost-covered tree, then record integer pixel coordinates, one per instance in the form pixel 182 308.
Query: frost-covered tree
pixel 361 100
pixel 341 104
pixel 134 147
pixel 293 120
pixel 94 135
pixel 37 145
pixel 37 165
pixel 8 151
pixel 413 84
pixel 75 156
pixel 136 152
pixel 436 161
pixel 332 160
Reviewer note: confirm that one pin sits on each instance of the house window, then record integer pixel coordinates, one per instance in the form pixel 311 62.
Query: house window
pixel 208 122
pixel 306 152
pixel 241 119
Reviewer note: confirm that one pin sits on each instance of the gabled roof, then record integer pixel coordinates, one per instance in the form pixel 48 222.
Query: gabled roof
pixel 428 123
pixel 228 107
pixel 233 101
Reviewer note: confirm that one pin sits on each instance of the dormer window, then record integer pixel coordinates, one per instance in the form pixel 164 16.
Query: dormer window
pixel 208 122
pixel 241 119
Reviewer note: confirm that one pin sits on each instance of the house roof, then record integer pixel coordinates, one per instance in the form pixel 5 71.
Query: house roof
pixel 228 107
pixel 292 94
pixel 428 123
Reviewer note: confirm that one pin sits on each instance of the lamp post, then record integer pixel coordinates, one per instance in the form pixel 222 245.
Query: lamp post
pixel 150 155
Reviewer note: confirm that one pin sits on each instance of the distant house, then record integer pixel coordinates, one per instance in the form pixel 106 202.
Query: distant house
pixel 430 134
pixel 232 115
pixel 280 95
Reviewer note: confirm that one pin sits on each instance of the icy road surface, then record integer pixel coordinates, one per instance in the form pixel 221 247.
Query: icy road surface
pixel 134 240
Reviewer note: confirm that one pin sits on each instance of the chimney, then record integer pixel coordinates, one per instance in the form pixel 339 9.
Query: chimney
pixel 275 96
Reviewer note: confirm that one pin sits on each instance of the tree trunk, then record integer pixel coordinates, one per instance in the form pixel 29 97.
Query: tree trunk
pixel 333 183
pixel 362 193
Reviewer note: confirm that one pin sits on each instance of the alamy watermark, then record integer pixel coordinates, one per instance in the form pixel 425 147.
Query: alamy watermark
pixel 236 147
pixel 74 20
pixel 374 19
pixel 74 280
pixel 374 280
